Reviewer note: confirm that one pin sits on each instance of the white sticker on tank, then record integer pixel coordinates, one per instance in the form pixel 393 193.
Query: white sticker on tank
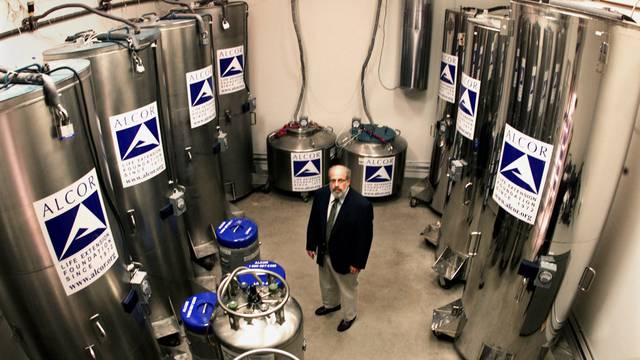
pixel 230 69
pixel 77 233
pixel 138 143
pixel 448 77
pixel 306 171
pixel 228 354
pixel 468 106
pixel 524 162
pixel 377 178
pixel 202 98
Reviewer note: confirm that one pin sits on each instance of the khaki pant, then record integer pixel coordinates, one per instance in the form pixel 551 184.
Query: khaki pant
pixel 338 289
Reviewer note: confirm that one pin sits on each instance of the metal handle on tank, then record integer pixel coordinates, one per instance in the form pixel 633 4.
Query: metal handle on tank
pixel 266 351
pixel 224 285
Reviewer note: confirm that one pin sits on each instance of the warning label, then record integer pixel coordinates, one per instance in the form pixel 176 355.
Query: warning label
pixel 306 171
pixel 136 135
pixel 202 104
pixel 468 106
pixel 377 176
pixel 522 172
pixel 77 233
pixel 230 69
pixel 448 77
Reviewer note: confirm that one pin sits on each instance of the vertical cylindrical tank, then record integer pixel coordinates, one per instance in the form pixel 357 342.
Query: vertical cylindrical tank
pixel 416 44
pixel 481 87
pixel 229 43
pixel 63 278
pixel 189 73
pixel 196 315
pixel 238 240
pixel 376 156
pixel 131 114
pixel 554 175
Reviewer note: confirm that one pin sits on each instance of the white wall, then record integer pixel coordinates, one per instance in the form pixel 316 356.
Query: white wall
pixel 336 35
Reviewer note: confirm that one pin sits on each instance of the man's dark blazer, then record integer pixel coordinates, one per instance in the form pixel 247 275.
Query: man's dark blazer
pixel 352 231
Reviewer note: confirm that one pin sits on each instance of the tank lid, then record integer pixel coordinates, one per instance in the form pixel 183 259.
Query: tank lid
pixel 237 233
pixel 374 133
pixel 83 48
pixel 262 265
pixel 197 310
pixel 78 65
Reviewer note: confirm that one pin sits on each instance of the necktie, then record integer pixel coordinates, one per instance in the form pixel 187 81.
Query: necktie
pixel 332 218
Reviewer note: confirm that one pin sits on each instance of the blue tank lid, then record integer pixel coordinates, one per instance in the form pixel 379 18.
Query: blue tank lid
pixel 237 233
pixel 262 265
pixel 197 310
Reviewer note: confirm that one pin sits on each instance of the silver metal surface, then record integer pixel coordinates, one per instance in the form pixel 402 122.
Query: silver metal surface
pixel 159 244
pixel 273 319
pixel 484 60
pixel 196 149
pixel 233 258
pixel 445 122
pixel 352 152
pixel 563 92
pixel 229 30
pixel 416 39
pixel 448 320
pixel 48 323
pixel 298 141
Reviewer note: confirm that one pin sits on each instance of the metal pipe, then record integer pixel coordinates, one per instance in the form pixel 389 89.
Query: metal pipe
pixel 366 63
pixel 303 71
pixel 266 351
pixel 31 22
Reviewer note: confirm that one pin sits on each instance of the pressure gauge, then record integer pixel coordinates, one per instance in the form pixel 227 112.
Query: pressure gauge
pixel 304 121
pixel 355 123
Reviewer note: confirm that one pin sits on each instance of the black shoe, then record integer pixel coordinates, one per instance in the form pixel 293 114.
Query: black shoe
pixel 345 324
pixel 324 311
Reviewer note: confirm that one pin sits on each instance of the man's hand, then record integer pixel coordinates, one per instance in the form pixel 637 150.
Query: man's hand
pixel 312 254
pixel 353 270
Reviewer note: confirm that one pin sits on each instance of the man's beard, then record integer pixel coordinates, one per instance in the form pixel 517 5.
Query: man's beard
pixel 337 193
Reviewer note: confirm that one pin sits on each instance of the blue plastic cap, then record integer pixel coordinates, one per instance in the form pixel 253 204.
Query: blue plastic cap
pixel 262 264
pixel 197 310
pixel 237 233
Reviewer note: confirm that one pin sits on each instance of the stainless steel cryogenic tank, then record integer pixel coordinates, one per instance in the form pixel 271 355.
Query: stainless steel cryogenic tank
pixel 192 122
pixel 475 138
pixel 376 156
pixel 238 240
pixel 252 316
pixel 229 42
pixel 554 176
pixel 416 44
pixel 299 156
pixel 131 114
pixel 433 190
pixel 64 282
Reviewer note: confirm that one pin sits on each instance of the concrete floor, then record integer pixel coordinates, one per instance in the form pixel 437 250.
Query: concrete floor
pixel 398 289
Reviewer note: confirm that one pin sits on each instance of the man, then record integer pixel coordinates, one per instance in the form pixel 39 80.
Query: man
pixel 339 237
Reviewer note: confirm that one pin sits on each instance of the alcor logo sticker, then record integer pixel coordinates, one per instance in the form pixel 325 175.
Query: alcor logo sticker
pixel 448 77
pixel 136 136
pixel 468 106
pixel 202 104
pixel 306 171
pixel 378 176
pixel 77 233
pixel 522 172
pixel 230 69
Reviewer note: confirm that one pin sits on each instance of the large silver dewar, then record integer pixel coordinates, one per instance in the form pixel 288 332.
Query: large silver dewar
pixel 554 176
pixel 299 156
pixel 475 138
pixel 416 39
pixel 131 114
pixel 433 190
pixel 63 278
pixel 376 156
pixel 262 315
pixel 228 24
pixel 189 73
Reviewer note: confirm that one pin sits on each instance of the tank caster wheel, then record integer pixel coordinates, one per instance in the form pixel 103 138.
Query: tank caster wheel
pixel 440 336
pixel 444 283
pixel 266 188
pixel 413 202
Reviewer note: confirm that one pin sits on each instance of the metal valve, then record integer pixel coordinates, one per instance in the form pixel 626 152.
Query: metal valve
pixel 456 169
pixel 546 272
pixel 178 201
pixel 223 140
pixel 137 62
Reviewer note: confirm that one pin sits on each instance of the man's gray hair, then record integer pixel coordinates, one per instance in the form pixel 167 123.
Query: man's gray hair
pixel 346 169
